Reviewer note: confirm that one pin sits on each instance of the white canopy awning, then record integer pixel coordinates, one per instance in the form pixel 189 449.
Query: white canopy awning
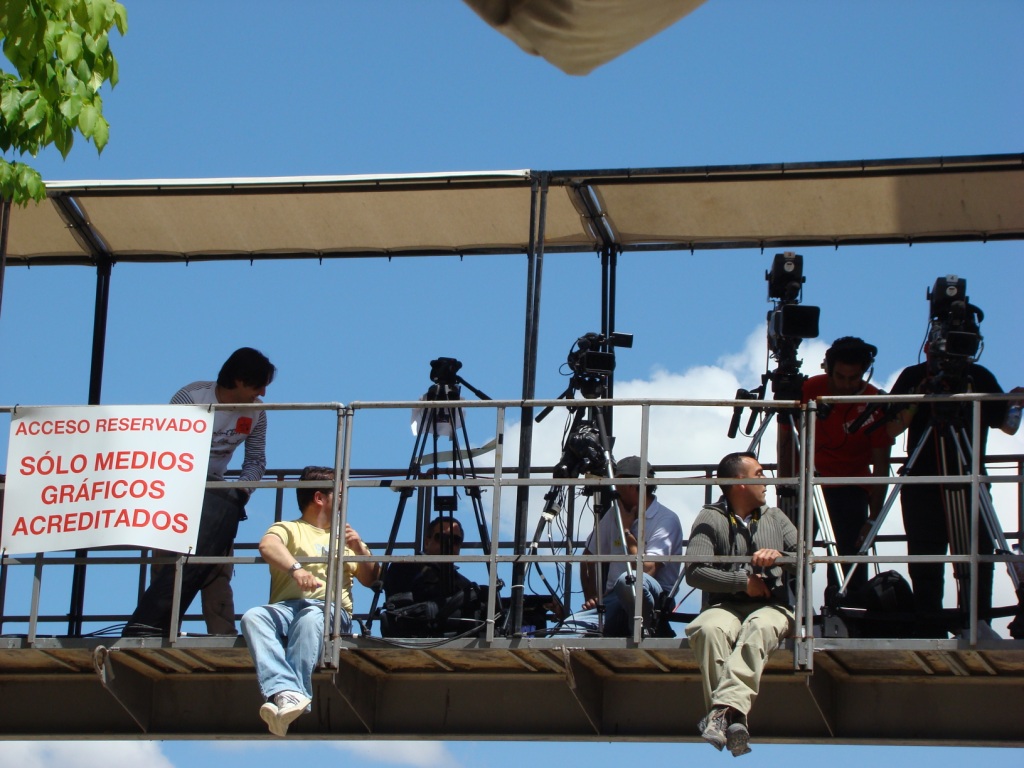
pixel 899 201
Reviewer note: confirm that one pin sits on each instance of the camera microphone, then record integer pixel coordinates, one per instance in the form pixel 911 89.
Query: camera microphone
pixel 869 411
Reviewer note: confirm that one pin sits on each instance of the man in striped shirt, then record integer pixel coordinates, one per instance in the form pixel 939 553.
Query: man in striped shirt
pixel 243 378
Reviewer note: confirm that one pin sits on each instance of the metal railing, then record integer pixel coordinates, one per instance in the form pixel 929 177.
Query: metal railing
pixel 507 551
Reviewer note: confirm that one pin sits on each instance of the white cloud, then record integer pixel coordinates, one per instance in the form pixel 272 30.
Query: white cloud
pixel 698 435
pixel 84 754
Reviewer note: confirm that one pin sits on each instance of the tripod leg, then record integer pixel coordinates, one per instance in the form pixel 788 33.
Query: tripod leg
pixel 954 462
pixel 990 520
pixel 821 516
pixel 876 524
pixel 554 497
pixel 974 580
pixel 634 577
pixel 427 424
pixel 828 536
pixel 474 491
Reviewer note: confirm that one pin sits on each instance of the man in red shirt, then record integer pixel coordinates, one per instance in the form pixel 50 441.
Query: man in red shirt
pixel 841 452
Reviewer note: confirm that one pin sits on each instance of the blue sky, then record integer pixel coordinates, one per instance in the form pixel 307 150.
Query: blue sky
pixel 257 89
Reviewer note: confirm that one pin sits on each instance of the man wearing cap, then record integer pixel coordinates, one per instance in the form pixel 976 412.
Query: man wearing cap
pixel 663 535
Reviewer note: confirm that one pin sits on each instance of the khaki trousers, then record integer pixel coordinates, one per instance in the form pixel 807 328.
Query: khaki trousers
pixel 732 642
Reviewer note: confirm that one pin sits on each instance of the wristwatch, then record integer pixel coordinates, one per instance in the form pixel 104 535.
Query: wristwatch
pixel 296 566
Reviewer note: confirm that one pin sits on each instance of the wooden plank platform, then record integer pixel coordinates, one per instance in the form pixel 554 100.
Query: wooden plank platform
pixel 936 692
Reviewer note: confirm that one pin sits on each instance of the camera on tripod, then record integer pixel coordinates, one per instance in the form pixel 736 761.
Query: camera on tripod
pixel 589 356
pixel 591 361
pixel 788 321
pixel 445 371
pixel 954 338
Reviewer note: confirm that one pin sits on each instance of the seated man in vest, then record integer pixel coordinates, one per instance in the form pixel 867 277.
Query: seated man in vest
pixel 431 599
pixel 286 636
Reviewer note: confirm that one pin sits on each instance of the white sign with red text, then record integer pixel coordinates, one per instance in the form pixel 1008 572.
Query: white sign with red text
pixel 95 476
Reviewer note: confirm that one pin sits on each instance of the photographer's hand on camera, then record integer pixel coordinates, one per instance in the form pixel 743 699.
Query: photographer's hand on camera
pixel 756 586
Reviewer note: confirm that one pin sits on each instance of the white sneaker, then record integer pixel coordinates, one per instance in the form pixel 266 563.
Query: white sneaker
pixel 290 704
pixel 268 712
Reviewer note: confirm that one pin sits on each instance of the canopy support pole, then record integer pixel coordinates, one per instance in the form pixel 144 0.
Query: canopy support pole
pixel 534 273
pixel 73 215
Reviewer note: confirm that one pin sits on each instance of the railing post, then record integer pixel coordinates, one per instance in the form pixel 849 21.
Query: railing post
pixel 492 562
pixel 803 657
pixel 975 500
pixel 336 548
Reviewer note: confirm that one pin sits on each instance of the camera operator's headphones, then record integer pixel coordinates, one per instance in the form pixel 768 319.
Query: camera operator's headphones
pixel 853 349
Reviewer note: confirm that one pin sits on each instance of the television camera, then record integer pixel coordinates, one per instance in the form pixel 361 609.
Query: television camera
pixel 591 357
pixel 954 337
pixel 591 361
pixel 789 323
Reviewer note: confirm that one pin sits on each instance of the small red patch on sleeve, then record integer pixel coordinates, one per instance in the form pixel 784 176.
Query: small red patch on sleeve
pixel 244 425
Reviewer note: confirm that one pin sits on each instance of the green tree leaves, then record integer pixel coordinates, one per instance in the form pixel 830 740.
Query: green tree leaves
pixel 60 50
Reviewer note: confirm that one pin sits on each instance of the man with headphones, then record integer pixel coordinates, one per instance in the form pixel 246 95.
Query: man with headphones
pixel 845 445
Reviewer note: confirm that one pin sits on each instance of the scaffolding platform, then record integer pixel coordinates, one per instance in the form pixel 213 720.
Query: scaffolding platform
pixel 925 692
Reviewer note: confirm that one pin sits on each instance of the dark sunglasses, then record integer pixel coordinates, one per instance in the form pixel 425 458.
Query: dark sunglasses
pixel 455 538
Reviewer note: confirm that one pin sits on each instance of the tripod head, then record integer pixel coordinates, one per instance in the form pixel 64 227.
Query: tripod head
pixel 582 454
pixel 444 372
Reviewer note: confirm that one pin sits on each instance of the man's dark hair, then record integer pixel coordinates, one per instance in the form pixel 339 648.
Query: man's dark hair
pixel 732 464
pixel 304 496
pixel 247 365
pixel 435 525
pixel 850 350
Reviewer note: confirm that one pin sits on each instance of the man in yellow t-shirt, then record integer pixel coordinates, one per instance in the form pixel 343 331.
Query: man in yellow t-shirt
pixel 295 614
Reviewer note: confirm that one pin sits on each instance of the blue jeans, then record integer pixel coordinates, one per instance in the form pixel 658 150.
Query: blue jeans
pixel 285 640
pixel 618 608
